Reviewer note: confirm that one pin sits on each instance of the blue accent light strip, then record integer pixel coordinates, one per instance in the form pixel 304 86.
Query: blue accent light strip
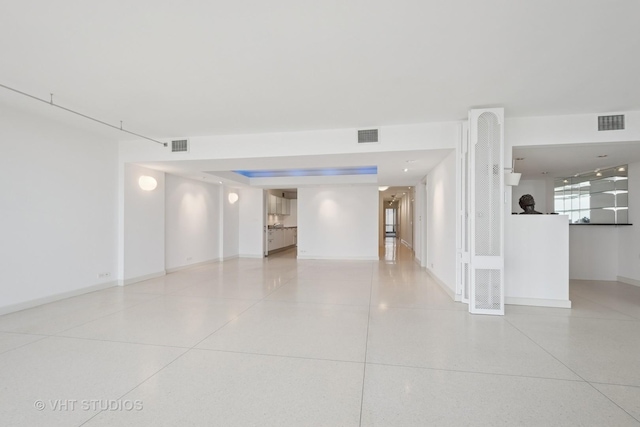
pixel 357 170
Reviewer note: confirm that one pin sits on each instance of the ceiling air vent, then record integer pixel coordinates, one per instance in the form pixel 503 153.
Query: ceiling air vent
pixel 180 145
pixel 611 122
pixel 369 135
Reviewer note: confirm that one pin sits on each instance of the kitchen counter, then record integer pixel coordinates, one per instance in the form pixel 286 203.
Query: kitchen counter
pixel 271 227
pixel 282 238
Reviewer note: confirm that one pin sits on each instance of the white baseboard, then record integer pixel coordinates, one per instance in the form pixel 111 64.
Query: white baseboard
pixel 404 242
pixel 133 280
pixel 538 302
pixel 56 297
pixel 443 285
pixel 227 258
pixel 629 281
pixel 250 256
pixel 343 258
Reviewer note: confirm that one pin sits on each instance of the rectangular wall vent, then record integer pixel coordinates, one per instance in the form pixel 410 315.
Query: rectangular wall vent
pixel 369 135
pixel 180 145
pixel 611 122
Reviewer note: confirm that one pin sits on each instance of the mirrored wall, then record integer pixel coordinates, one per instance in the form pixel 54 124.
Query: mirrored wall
pixel 599 197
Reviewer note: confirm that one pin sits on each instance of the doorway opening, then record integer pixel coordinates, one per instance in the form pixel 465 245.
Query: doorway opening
pixel 396 221
pixel 390 222
pixel 281 221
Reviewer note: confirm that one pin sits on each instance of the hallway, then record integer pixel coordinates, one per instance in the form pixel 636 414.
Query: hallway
pixel 311 342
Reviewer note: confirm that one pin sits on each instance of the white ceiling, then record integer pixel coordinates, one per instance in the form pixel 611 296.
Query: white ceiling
pixel 390 167
pixel 176 69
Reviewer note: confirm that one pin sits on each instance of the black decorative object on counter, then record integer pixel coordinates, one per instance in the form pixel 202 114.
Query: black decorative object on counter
pixel 527 203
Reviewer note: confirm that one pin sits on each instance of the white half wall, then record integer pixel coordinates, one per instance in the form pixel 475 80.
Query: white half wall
pixel 192 222
pixel 593 252
pixel 144 250
pixel 536 264
pixel 251 226
pixel 230 224
pixel 58 204
pixel 338 222
pixel 441 222
pixel 629 235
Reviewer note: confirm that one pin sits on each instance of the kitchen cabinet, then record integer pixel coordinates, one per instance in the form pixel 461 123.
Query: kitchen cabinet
pixel 288 236
pixel 279 238
pixel 278 205
pixel 276 239
pixel 272 204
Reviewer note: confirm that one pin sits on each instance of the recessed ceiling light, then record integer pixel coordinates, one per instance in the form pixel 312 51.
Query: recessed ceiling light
pixel 545 173
pixel 519 158
pixel 621 169
pixel 219 182
pixel 383 188
pixel 603 155
pixel 599 174
pixel 566 181
pixel 406 169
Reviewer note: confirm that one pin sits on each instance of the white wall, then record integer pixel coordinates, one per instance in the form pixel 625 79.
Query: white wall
pixel 629 236
pixel 441 221
pixel 567 129
pixel 251 217
pixel 143 226
pixel 338 222
pixel 422 136
pixel 192 222
pixel 593 252
pixel 230 225
pixel 418 231
pixel 58 203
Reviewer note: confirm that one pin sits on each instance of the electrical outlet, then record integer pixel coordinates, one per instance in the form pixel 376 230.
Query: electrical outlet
pixel 104 275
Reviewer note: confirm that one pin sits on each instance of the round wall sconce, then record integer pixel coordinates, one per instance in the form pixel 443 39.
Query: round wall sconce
pixel 383 188
pixel 233 197
pixel 147 183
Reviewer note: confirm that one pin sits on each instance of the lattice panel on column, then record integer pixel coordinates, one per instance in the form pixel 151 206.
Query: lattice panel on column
pixel 488 288
pixel 487 187
pixel 466 278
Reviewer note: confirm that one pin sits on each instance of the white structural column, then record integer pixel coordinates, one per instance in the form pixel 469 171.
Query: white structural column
pixel 486 213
